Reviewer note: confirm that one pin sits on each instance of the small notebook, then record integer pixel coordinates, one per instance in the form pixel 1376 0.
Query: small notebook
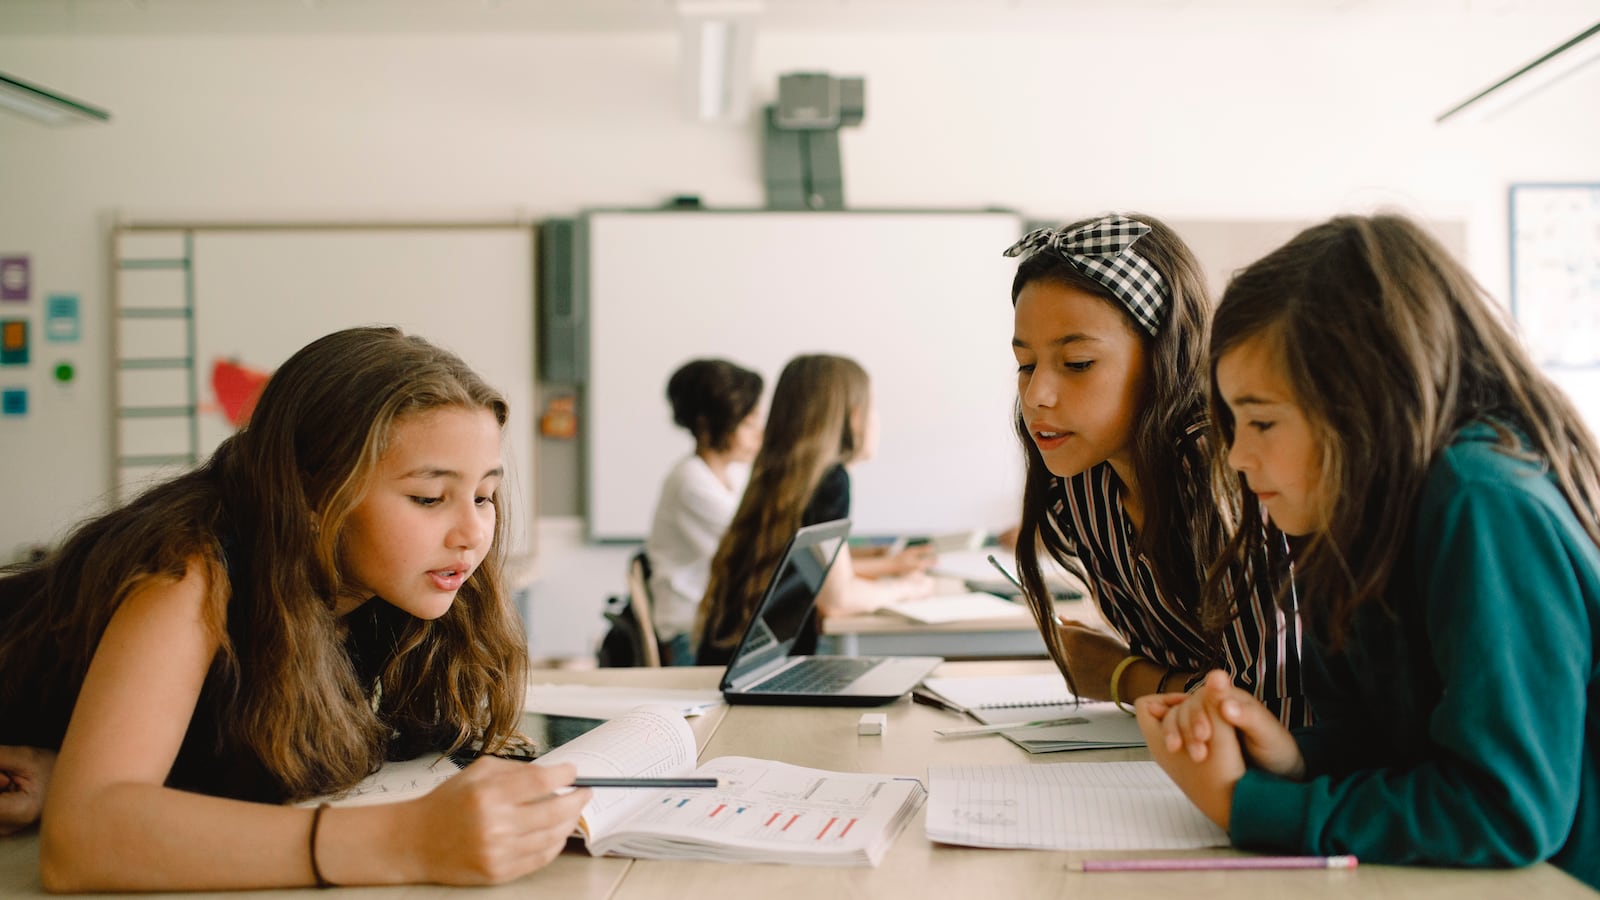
pixel 984 696
pixel 1031 698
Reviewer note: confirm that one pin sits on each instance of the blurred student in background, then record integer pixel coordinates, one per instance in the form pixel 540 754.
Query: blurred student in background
pixel 720 404
pixel 821 420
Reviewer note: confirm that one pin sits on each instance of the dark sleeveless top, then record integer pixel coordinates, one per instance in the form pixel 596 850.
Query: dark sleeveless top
pixel 208 760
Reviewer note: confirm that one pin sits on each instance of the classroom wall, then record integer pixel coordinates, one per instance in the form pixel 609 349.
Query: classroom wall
pixel 1238 114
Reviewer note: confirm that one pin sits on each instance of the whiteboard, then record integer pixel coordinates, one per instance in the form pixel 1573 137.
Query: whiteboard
pixel 262 294
pixel 920 299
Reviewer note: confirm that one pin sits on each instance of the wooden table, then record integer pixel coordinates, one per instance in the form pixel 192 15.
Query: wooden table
pixel 914 868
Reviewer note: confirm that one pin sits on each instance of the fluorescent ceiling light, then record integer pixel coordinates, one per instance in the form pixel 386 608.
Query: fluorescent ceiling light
pixel 1531 78
pixel 45 106
pixel 716 38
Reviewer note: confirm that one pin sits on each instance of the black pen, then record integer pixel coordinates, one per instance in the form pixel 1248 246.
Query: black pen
pixel 918 695
pixel 608 782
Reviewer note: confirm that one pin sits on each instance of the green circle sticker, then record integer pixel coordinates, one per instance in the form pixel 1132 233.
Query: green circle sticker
pixel 65 372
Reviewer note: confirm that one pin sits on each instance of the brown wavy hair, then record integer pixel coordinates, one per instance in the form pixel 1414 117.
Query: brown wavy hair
pixel 818 406
pixel 279 492
pixel 1184 512
pixel 1390 347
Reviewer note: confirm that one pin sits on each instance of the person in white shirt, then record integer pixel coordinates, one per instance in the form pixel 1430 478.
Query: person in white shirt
pixel 719 403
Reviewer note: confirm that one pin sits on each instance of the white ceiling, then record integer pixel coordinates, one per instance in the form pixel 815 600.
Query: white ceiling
pixel 87 17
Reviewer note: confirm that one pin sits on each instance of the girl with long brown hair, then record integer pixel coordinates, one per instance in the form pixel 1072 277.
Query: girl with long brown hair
pixel 820 420
pixel 1111 317
pixel 323 594
pixel 718 402
pixel 1445 495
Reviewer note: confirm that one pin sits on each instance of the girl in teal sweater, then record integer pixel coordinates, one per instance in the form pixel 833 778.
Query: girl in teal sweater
pixel 1444 498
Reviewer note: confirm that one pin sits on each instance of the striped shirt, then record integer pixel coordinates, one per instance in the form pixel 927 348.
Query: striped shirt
pixel 1260 647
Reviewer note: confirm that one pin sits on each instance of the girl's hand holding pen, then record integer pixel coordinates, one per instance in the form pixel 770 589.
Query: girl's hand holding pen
pixel 496 821
pixel 1092 657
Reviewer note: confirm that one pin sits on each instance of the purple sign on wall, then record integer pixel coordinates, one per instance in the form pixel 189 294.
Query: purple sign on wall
pixel 13 278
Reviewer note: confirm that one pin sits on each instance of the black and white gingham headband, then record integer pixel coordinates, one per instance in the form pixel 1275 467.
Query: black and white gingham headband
pixel 1103 250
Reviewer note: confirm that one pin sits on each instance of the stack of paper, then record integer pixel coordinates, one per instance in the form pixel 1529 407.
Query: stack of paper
pixel 1073 806
pixel 958 608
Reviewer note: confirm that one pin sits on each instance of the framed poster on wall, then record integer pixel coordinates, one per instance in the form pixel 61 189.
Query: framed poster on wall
pixel 1555 271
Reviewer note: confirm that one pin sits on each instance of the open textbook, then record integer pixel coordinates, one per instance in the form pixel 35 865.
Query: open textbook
pixel 764 811
pixel 1078 724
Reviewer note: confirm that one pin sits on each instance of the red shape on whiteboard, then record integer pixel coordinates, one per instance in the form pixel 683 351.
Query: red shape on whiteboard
pixel 237 388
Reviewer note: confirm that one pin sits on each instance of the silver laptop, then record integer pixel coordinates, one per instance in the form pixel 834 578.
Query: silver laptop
pixel 762 669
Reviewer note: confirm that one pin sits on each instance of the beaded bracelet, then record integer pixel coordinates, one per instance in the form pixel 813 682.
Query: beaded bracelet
pixel 1116 676
pixel 316 871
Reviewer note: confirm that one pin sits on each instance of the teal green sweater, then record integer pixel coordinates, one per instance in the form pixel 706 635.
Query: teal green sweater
pixel 1460 727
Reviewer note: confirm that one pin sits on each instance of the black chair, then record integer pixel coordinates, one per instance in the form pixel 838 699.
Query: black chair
pixel 632 639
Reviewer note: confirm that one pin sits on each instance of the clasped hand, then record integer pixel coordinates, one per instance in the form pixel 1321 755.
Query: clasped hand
pixel 1202 741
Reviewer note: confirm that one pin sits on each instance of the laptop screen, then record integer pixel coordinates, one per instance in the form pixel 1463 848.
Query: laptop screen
pixel 789 599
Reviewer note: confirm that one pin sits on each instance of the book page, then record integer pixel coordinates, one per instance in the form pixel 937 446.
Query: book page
pixel 1070 806
pixel 774 812
pixel 643 743
pixel 393 782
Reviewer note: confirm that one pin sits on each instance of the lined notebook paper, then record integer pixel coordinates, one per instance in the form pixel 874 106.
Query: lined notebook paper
pixel 1070 806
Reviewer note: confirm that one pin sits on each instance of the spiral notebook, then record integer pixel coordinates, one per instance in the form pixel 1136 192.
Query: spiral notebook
pixel 1096 725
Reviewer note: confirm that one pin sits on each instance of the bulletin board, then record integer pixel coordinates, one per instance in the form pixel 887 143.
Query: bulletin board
pixel 1555 271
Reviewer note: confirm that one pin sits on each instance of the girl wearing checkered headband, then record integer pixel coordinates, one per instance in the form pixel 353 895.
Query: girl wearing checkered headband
pixel 1111 317
pixel 1444 492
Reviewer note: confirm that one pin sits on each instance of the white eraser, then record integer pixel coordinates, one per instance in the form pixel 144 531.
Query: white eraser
pixel 872 723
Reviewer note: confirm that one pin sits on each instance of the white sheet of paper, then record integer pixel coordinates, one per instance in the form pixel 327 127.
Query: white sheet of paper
pixel 1068 806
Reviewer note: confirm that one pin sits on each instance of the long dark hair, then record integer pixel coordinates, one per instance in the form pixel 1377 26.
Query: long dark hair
pixel 1390 347
pixel 1183 513
pixel 280 491
pixel 817 407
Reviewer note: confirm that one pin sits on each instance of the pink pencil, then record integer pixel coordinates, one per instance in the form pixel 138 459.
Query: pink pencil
pixel 1202 863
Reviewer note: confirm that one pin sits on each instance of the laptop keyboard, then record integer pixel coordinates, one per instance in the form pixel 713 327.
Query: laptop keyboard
pixel 818 675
